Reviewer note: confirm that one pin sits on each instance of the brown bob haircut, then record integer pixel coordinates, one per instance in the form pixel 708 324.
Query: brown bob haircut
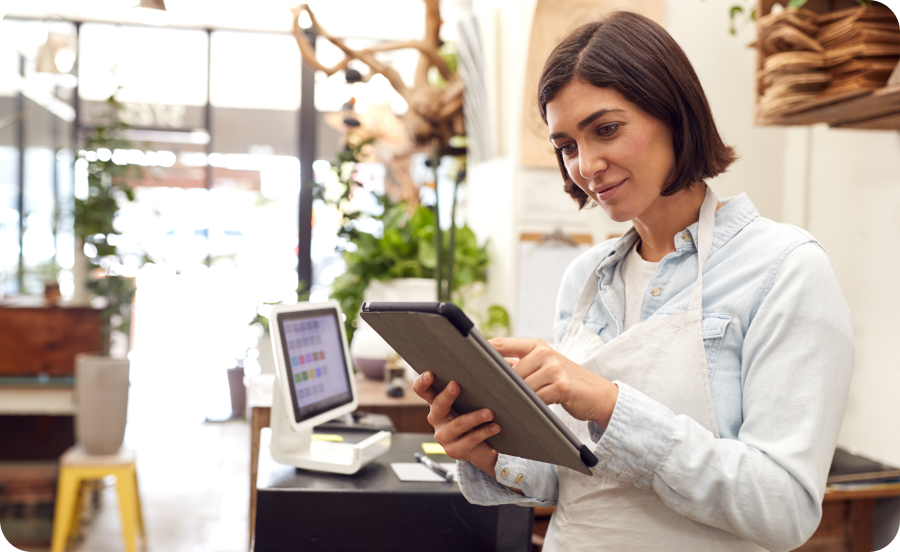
pixel 637 57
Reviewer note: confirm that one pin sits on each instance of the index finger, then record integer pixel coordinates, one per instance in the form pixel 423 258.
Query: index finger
pixel 513 347
pixel 422 387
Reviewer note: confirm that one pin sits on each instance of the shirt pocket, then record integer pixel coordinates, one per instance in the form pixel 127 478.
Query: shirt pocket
pixel 713 328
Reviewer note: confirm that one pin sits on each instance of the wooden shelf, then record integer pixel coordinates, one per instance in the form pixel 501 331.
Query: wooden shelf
pixel 832 496
pixel 872 110
pixel 859 109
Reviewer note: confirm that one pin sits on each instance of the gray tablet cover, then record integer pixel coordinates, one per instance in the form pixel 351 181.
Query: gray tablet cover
pixel 429 342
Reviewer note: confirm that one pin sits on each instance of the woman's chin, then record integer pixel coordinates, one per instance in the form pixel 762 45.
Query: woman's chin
pixel 616 212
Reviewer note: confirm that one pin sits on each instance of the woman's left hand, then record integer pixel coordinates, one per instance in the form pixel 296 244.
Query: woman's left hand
pixel 558 380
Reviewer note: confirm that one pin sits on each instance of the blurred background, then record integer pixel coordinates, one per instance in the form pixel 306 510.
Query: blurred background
pixel 169 170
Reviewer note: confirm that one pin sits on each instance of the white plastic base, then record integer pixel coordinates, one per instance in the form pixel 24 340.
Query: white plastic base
pixel 298 449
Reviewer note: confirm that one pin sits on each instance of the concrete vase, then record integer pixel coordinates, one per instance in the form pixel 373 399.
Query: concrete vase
pixel 101 402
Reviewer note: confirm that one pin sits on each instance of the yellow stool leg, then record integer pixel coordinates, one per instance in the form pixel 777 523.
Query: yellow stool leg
pixel 75 525
pixel 140 510
pixel 125 483
pixel 66 491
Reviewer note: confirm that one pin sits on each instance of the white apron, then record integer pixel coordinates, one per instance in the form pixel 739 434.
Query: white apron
pixel 665 360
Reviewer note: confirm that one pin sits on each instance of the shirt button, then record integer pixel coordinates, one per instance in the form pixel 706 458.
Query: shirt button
pixel 504 474
pixel 519 478
pixel 686 236
pixel 655 291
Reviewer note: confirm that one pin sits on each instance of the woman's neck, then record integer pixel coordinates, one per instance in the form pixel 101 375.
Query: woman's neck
pixel 658 225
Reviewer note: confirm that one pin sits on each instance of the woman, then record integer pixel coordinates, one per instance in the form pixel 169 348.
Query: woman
pixel 704 356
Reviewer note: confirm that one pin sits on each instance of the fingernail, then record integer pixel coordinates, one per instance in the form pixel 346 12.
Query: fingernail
pixel 486 415
pixel 495 429
pixel 426 377
pixel 454 387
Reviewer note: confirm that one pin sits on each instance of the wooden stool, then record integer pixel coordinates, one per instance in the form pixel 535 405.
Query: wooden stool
pixel 76 467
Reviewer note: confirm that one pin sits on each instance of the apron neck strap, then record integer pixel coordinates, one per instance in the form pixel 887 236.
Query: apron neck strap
pixel 705 230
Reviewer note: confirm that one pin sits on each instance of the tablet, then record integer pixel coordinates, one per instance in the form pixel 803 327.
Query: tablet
pixel 440 338
pixel 312 357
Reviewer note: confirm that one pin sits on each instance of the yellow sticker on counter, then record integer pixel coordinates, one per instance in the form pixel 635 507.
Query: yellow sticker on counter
pixel 327 437
pixel 433 448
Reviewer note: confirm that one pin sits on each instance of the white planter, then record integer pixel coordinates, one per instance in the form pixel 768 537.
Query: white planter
pixel 266 356
pixel 368 350
pixel 80 274
pixel 101 402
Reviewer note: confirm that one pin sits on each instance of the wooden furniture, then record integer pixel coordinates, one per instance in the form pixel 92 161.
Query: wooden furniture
pixel 407 413
pixel 36 418
pixel 848 522
pixel 27 491
pixel 43 341
pixel 37 368
pixel 872 110
pixel 374 510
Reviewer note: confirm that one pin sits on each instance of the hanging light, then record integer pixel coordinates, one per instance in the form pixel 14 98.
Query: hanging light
pixel 57 55
pixel 154 4
pixel 151 12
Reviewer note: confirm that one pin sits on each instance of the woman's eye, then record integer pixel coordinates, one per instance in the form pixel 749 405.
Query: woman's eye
pixel 566 149
pixel 607 130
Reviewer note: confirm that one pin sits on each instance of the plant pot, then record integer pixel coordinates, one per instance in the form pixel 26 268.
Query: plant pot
pixel 101 402
pixel 266 356
pixel 368 350
pixel 81 274
pixel 238 391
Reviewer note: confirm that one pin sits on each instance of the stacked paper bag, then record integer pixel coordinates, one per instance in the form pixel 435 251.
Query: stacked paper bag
pixel 793 69
pixel 862 47
pixel 809 58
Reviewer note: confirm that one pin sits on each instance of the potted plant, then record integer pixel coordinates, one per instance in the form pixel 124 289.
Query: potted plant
pixel 398 262
pixel 101 381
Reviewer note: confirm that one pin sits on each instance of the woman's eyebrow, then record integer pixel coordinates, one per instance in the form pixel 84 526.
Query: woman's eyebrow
pixel 594 116
pixel 586 121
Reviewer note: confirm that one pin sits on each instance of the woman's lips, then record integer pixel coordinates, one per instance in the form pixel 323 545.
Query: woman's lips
pixel 606 193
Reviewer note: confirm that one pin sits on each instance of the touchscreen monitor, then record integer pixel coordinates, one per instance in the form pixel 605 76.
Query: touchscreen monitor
pixel 314 358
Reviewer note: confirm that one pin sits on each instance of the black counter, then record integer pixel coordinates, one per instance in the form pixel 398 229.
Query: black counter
pixel 372 510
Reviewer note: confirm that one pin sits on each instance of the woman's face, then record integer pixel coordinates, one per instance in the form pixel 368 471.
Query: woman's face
pixel 616 152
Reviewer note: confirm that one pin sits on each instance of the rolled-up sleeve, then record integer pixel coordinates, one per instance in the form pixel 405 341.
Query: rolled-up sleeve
pixel 536 480
pixel 767 485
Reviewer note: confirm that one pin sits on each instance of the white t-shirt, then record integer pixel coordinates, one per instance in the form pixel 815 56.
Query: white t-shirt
pixel 637 273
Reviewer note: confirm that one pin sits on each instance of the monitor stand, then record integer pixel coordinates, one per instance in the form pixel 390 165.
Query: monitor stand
pixel 298 449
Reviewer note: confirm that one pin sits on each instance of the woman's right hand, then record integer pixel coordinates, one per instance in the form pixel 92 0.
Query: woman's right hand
pixel 460 436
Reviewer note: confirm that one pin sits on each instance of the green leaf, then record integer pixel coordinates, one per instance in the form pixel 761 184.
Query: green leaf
pixel 427 254
pixel 497 315
pixel 795 4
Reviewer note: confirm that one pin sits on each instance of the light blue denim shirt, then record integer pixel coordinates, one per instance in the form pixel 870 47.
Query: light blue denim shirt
pixel 779 348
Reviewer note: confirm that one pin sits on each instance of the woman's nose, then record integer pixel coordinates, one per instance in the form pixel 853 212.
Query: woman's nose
pixel 591 164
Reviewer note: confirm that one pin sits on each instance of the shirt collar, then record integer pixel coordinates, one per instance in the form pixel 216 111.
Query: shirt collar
pixel 735 214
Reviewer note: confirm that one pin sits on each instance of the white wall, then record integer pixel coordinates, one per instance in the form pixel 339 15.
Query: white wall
pixel 853 207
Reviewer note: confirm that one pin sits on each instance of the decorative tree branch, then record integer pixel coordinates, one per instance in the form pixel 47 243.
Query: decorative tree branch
pixel 435 112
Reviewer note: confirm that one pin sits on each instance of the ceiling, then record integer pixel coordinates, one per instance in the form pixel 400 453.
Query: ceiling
pixel 384 20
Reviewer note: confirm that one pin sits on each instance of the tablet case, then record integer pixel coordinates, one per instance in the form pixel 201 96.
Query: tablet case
pixel 446 345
